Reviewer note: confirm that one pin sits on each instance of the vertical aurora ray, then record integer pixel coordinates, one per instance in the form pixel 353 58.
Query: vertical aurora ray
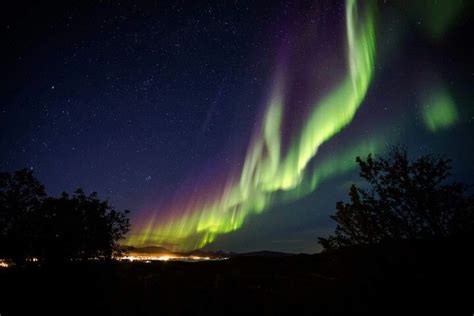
pixel 267 172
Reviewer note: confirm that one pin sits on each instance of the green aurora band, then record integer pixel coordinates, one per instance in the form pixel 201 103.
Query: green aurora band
pixel 268 175
pixel 439 111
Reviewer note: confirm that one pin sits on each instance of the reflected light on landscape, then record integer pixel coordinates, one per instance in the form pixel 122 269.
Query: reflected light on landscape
pixel 150 258
pixel 4 263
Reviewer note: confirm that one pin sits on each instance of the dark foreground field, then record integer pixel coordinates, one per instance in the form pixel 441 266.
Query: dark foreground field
pixel 404 278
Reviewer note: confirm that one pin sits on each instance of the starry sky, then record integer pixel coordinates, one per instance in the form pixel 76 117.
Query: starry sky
pixel 231 125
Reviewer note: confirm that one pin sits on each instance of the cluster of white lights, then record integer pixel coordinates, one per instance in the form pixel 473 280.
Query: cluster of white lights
pixel 150 258
pixel 4 263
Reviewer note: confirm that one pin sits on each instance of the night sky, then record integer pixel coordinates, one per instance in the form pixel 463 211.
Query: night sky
pixel 231 125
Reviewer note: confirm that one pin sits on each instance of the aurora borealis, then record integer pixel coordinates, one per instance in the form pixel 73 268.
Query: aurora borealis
pixel 265 171
pixel 234 126
pixel 440 111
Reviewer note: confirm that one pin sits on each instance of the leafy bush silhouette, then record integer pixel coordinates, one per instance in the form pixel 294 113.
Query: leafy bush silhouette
pixel 77 227
pixel 402 200
pixel 21 197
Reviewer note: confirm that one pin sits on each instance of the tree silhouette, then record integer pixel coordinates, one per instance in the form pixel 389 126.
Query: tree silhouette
pixel 77 227
pixel 21 197
pixel 80 227
pixel 402 200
